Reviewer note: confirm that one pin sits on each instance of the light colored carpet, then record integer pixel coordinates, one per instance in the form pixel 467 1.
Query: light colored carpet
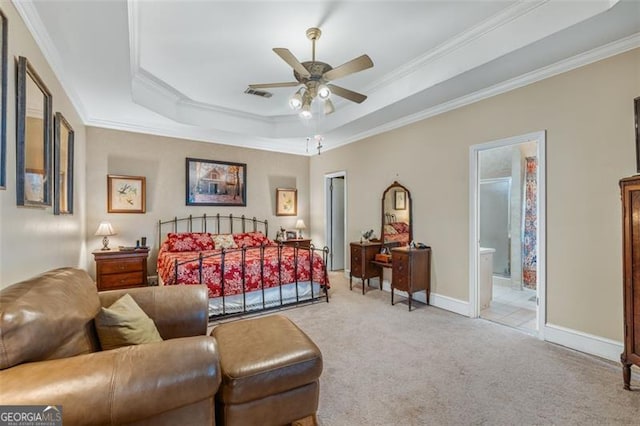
pixel 386 366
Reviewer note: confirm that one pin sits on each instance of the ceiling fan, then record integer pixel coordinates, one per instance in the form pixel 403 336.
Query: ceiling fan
pixel 316 77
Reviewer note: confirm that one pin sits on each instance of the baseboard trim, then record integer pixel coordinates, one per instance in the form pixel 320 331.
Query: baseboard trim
pixel 573 339
pixel 447 303
pixel 583 342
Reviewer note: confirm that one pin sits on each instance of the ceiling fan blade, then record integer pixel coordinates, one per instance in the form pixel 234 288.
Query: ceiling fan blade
pixel 358 64
pixel 347 94
pixel 293 62
pixel 271 85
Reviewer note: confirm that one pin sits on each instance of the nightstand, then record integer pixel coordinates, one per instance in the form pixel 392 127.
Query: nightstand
pixel 116 269
pixel 293 242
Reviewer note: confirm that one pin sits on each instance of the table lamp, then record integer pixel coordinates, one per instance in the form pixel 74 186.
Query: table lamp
pixel 300 226
pixel 105 230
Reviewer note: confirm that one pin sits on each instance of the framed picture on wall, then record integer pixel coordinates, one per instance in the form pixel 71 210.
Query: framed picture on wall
pixel 33 137
pixel 286 202
pixel 400 200
pixel 215 183
pixel 126 194
pixel 63 136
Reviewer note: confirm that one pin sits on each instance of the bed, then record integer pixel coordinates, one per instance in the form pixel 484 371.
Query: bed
pixel 395 231
pixel 243 269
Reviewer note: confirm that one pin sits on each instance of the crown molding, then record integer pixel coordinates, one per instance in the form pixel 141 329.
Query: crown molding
pixel 29 14
pixel 488 25
pixel 213 131
pixel 606 51
pixel 287 146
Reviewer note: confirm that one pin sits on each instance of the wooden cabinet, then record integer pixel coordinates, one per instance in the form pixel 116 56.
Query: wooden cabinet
pixel 117 269
pixel 300 242
pixel 362 255
pixel 411 271
pixel 630 188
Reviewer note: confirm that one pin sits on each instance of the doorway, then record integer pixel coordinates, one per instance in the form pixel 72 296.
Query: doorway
pixel 335 218
pixel 507 278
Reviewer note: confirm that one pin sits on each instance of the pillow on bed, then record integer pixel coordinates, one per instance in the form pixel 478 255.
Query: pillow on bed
pixel 400 227
pixel 388 229
pixel 223 241
pixel 251 239
pixel 190 241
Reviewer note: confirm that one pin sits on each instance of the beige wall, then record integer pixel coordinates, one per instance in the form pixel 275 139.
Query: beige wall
pixel 588 116
pixel 162 161
pixel 33 240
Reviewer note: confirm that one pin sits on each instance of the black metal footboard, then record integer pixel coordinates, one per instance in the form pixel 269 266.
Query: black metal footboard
pixel 278 286
pixel 266 296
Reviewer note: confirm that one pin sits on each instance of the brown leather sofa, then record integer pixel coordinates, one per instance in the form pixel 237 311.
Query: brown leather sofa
pixel 50 354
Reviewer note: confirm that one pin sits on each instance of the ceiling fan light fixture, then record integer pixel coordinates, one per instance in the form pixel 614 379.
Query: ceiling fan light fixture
pixel 295 102
pixel 306 107
pixel 328 107
pixel 324 92
pixel 306 113
pixel 315 77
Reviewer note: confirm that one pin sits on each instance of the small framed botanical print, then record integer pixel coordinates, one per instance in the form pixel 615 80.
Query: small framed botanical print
pixel 286 202
pixel 400 200
pixel 126 194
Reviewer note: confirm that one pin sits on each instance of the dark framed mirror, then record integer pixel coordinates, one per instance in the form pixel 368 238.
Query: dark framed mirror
pixel 397 221
pixel 33 133
pixel 62 166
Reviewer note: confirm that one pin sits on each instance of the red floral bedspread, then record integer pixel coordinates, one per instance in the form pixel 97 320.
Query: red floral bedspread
pixel 402 238
pixel 402 233
pixel 188 273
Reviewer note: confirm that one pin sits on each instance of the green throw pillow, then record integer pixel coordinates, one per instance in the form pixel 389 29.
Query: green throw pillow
pixel 124 323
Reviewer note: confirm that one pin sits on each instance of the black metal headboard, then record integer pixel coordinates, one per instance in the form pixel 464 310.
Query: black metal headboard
pixel 215 224
pixel 390 218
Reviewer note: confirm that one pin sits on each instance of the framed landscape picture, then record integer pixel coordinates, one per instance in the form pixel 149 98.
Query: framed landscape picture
pixel 286 202
pixel 215 183
pixel 126 194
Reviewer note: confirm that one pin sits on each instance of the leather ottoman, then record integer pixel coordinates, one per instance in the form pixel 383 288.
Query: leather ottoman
pixel 270 370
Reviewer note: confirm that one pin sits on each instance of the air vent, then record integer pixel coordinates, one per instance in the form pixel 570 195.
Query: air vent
pixel 260 93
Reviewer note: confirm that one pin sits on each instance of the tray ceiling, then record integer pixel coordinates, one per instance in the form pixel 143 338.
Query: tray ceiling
pixel 180 68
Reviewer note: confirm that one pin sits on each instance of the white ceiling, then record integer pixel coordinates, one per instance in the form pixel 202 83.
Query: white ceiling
pixel 180 68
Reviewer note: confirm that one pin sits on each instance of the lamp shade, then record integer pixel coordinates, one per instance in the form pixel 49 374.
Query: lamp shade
pixel 105 229
pixel 300 224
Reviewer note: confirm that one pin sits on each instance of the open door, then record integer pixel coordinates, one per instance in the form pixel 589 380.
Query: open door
pixel 335 196
pixel 507 232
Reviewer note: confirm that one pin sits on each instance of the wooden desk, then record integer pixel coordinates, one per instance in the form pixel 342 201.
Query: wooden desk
pixel 362 266
pixel 116 269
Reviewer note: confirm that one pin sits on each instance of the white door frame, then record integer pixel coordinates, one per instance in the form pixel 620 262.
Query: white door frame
pixel 474 226
pixel 327 231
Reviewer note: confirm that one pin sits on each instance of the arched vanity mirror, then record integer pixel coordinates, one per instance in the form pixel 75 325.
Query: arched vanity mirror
pixel 397 225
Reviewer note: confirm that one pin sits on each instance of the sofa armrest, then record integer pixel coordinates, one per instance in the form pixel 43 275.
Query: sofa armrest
pixel 118 386
pixel 178 311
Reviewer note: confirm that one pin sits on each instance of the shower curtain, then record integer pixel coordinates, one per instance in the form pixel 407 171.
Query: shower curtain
pixel 529 240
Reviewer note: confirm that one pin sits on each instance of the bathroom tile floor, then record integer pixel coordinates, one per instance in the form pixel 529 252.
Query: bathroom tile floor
pixel 512 307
